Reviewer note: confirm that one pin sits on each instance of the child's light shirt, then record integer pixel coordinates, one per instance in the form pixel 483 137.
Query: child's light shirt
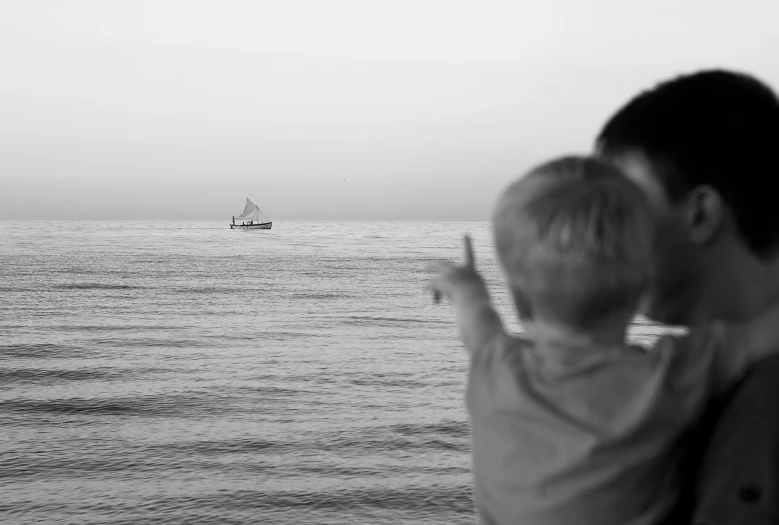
pixel 589 435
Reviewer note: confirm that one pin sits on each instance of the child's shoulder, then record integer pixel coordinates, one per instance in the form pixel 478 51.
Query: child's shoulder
pixel 505 346
pixel 517 343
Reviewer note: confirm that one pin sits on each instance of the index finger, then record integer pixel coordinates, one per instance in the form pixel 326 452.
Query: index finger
pixel 470 260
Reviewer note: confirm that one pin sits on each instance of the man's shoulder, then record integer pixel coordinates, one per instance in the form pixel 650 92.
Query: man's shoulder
pixel 738 479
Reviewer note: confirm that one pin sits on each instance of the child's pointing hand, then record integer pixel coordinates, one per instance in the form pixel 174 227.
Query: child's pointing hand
pixel 457 282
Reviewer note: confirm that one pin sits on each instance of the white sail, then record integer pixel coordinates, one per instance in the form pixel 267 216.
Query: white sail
pixel 252 213
pixel 263 218
pixel 249 211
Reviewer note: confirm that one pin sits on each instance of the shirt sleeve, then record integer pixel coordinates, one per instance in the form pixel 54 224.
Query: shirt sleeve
pixel 738 479
pixel 492 372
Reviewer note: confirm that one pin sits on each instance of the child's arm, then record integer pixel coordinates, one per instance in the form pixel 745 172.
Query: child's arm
pixel 729 349
pixel 758 337
pixel 478 321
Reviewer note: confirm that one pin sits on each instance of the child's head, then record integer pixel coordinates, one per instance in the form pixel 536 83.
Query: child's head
pixel 574 237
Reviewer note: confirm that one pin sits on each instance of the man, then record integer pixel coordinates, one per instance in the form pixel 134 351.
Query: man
pixel 705 148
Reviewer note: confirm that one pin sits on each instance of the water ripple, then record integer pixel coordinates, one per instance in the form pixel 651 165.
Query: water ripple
pixel 185 374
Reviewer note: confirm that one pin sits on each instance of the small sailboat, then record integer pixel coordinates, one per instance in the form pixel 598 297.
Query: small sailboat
pixel 251 218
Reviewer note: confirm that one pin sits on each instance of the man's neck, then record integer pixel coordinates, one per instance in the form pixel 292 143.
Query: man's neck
pixel 741 287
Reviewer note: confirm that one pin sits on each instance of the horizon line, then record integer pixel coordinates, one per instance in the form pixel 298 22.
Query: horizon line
pixel 228 220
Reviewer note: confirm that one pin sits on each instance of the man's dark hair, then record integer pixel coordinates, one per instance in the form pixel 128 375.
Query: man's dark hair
pixel 715 128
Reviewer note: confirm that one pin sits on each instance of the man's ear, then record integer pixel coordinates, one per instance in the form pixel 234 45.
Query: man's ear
pixel 705 214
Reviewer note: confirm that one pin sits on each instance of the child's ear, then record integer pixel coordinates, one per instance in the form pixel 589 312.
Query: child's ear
pixel 704 214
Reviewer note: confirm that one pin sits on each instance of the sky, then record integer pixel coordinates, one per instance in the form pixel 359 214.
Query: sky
pixel 329 109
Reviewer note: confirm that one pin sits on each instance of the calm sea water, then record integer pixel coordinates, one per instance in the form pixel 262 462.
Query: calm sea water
pixel 184 373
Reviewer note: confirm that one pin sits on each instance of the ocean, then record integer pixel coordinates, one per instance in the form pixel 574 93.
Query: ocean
pixel 178 372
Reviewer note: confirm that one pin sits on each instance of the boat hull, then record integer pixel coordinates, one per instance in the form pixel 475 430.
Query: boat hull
pixel 263 226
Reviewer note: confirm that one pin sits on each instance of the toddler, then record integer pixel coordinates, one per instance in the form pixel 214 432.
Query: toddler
pixel 571 424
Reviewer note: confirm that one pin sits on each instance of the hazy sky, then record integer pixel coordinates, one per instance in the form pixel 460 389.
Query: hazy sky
pixel 331 109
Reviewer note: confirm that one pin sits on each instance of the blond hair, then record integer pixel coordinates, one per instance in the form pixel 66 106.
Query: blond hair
pixel 574 237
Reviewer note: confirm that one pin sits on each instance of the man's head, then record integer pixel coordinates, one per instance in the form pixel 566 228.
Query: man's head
pixel 574 237
pixel 704 147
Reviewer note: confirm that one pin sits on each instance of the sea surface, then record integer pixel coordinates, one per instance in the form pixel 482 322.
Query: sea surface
pixel 183 373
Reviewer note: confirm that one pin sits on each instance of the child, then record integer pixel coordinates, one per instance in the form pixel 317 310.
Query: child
pixel 571 425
